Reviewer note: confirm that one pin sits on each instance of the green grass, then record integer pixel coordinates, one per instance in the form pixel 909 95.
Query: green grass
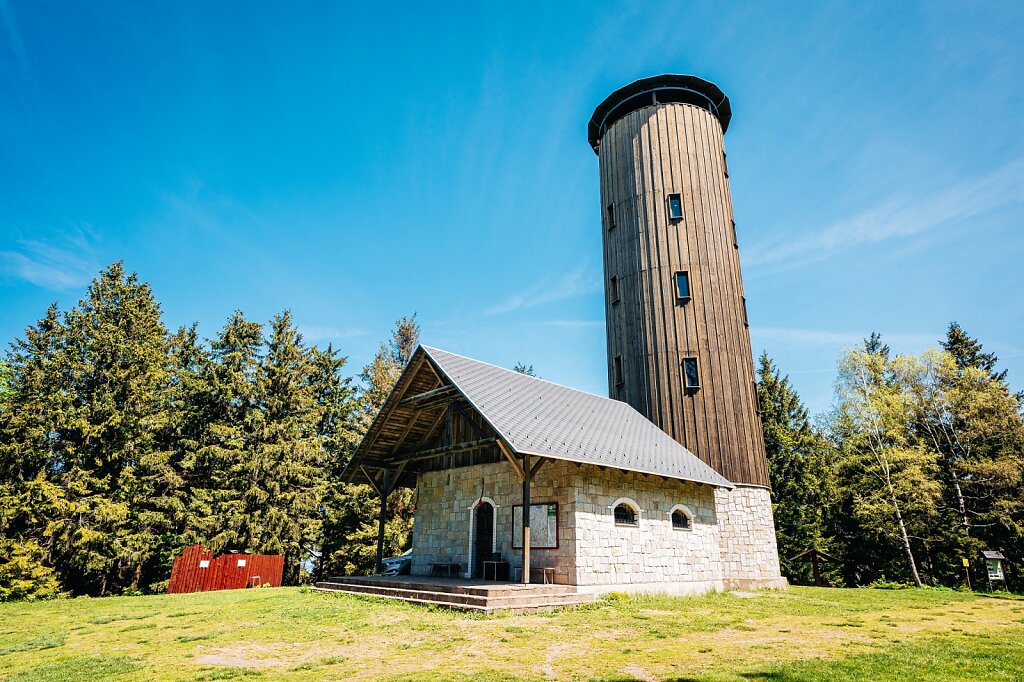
pixel 803 634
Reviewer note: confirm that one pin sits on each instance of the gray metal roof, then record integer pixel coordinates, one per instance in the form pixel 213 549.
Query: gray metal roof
pixel 541 418
pixel 992 555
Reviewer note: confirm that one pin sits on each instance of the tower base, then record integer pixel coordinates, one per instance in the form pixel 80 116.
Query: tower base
pixel 746 531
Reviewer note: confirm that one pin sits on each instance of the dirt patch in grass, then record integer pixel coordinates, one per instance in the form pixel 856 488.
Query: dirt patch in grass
pixel 237 661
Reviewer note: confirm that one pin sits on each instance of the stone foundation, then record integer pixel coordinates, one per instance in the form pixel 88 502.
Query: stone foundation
pixel 750 556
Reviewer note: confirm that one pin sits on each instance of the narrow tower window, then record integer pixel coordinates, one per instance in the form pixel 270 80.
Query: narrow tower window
pixel 691 377
pixel 675 206
pixel 682 286
pixel 617 370
pixel 613 289
pixel 725 164
pixel 611 216
pixel 735 242
pixel 746 321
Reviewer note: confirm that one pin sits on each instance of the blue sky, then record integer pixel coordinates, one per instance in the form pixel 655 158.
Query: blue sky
pixel 356 162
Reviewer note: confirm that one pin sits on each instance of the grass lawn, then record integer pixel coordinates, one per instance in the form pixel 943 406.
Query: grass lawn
pixel 288 634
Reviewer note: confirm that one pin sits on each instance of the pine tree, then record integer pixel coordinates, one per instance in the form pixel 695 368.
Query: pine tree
pixel 223 458
pixel 380 375
pixel 92 388
pixel 119 341
pixel 32 400
pixel 286 478
pixel 968 352
pixel 338 410
pixel 800 468
pixel 356 514
pixel 524 369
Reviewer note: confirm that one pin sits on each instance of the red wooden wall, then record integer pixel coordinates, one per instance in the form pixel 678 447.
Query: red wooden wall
pixel 223 572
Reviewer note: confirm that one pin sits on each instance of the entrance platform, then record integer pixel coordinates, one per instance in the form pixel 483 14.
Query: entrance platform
pixel 461 594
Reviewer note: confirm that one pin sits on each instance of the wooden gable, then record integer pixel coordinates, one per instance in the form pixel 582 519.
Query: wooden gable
pixel 426 424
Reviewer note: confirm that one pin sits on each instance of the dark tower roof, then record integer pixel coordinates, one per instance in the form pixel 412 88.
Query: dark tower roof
pixel 662 89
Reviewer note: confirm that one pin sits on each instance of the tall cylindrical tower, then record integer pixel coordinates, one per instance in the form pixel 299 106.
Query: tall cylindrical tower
pixel 678 345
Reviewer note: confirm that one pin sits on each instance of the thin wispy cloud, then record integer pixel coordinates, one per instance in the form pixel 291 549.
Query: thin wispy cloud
pixel 579 282
pixel 836 339
pixel 66 263
pixel 14 42
pixel 897 218
pixel 571 324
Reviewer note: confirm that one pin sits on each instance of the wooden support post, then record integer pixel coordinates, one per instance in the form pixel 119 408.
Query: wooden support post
pixel 526 519
pixel 385 488
pixel 512 460
pixel 817 571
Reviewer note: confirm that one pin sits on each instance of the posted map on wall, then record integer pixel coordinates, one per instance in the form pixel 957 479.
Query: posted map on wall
pixel 543 525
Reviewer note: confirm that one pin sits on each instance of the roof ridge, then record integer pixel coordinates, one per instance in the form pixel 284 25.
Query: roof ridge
pixel 512 371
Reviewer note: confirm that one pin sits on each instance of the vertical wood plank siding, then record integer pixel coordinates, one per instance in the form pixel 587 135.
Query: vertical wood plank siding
pixel 645 156
pixel 223 572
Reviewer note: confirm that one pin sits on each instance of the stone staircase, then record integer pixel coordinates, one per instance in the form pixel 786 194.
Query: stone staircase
pixel 461 595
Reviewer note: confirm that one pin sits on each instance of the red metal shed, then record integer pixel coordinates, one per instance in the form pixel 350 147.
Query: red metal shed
pixel 197 570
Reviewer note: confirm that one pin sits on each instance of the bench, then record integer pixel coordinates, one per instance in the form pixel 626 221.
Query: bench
pixel 446 569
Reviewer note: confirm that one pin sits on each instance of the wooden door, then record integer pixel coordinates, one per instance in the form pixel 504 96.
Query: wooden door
pixel 483 543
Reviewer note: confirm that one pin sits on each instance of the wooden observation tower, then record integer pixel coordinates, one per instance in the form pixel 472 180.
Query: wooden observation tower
pixel 678 344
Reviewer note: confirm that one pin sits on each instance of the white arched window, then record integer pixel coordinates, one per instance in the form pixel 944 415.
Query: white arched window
pixel 626 512
pixel 682 517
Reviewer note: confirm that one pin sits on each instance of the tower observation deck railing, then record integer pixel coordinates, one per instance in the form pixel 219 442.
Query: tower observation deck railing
pixel 665 89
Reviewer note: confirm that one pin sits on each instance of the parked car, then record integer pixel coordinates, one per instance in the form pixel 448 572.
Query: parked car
pixel 398 565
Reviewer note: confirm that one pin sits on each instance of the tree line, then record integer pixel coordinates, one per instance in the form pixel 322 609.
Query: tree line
pixel 122 442
pixel 917 466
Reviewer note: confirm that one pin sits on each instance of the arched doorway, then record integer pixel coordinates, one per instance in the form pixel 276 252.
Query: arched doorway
pixel 483 541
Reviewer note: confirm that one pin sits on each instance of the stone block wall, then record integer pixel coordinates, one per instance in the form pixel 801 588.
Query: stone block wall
pixel 653 556
pixel 443 530
pixel 750 556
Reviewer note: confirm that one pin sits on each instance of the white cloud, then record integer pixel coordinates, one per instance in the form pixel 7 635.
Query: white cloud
pixel 69 264
pixel 579 282
pixel 897 218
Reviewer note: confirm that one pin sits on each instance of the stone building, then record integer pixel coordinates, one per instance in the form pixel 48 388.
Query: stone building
pixel 664 485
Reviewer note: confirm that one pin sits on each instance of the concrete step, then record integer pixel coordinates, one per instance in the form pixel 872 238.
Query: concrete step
pixel 496 590
pixel 522 603
pixel 502 600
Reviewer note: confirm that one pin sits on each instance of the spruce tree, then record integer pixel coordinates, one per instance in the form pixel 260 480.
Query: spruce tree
pixel 286 479
pixel 338 408
pixel 92 384
pixel 233 418
pixel 356 513
pixel 800 468
pixel 32 408
pixel 968 352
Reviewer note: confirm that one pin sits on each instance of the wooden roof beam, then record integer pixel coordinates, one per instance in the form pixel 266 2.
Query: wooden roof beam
pixel 447 450
pixel 512 460
pixel 440 393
